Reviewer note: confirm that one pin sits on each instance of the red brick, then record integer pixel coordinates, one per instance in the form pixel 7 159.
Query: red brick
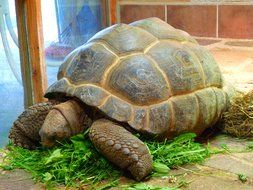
pixel 236 21
pixel 197 20
pixel 130 13
pixel 206 42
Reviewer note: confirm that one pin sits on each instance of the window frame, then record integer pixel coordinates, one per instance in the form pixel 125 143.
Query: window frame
pixel 31 49
pixel 31 46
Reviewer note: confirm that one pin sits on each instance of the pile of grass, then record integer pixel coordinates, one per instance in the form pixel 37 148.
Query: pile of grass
pixel 77 162
pixel 238 119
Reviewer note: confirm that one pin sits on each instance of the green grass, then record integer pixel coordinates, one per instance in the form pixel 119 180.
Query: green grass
pixel 143 186
pixel 242 177
pixel 77 162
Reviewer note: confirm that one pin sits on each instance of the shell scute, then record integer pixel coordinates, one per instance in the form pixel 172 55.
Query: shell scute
pixel 117 109
pixel 65 64
pixel 212 73
pixel 61 86
pixel 89 64
pixel 91 95
pixel 137 80
pixel 124 38
pixel 208 105
pixel 186 113
pixel 160 118
pixel 222 102
pixel 140 118
pixel 180 66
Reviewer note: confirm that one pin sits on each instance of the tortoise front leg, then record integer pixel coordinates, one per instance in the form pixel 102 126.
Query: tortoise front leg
pixel 121 147
pixel 25 130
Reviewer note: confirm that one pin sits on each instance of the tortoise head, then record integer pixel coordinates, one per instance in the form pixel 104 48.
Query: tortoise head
pixel 63 121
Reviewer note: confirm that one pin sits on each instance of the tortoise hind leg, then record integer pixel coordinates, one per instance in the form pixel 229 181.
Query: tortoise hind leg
pixel 25 130
pixel 121 148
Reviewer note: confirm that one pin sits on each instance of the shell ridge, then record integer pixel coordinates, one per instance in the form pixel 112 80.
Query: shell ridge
pixel 198 110
pixel 163 74
pixel 200 65
pixel 108 92
pixel 68 64
pixel 181 38
pixel 106 45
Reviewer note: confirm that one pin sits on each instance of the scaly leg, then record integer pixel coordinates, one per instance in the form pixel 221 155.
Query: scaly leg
pixel 25 130
pixel 121 147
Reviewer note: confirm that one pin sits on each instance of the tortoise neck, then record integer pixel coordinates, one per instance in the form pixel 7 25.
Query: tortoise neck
pixel 75 114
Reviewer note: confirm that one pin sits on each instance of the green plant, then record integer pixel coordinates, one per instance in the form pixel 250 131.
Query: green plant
pixel 144 186
pixel 77 162
pixel 242 177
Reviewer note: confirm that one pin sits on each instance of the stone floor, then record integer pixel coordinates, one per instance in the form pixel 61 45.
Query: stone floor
pixel 221 171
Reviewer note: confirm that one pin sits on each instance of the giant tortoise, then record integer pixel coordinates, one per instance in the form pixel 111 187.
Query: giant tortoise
pixel 144 77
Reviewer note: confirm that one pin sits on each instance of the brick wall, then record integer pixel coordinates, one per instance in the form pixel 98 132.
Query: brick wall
pixel 204 18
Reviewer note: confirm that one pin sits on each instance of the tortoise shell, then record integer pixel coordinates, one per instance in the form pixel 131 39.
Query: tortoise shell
pixel 154 77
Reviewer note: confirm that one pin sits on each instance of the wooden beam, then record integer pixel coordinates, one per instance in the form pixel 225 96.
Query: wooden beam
pixel 24 59
pixel 30 33
pixel 113 11
pixel 105 13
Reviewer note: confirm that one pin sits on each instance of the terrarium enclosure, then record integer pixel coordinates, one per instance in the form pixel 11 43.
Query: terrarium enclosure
pixel 37 36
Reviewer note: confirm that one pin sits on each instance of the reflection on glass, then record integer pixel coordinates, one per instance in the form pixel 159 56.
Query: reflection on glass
pixel 67 25
pixel 11 89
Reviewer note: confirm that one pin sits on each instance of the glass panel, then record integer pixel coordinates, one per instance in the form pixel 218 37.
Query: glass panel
pixel 67 25
pixel 11 89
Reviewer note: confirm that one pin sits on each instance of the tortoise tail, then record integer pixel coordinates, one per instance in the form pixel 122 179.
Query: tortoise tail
pixel 25 130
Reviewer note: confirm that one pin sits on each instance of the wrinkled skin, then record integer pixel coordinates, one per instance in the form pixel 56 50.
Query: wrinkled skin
pixel 121 147
pixel 25 130
pixel 63 121
pixel 50 122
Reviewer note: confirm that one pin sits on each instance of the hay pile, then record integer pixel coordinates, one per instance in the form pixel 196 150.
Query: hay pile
pixel 238 120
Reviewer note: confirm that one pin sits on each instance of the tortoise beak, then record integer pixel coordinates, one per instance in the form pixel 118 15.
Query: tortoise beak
pixel 48 144
pixel 46 141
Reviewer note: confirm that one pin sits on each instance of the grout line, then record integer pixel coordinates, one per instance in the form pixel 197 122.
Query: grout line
pixel 131 2
pixel 217 21
pixel 222 38
pixel 166 13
